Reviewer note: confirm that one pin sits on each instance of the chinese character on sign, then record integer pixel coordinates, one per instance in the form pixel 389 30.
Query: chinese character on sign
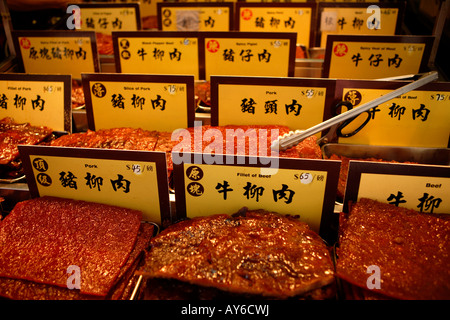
pixel 247 105
pixel 158 54
pixel 103 23
pixel 90 23
pixel 195 189
pixel 341 23
pixel 228 55
pixel 356 58
pixel 56 53
pixel 117 24
pixel 259 22
pixel 270 106
pixel 246 55
pixel 395 61
pixel 209 22
pixel 141 53
pixel 428 203
pixel 264 56
pixel 92 181
pixel 289 23
pixel 19 101
pixel 396 199
pixel 274 22
pixel 68 179
pixel 121 183
pixel 44 54
pixel 159 103
pixel 357 23
pixel 175 54
pixel 117 101
pixel 223 188
pixel 422 112
pixel 137 101
pixel 294 108
pixel 252 190
pixel 375 62
pixel 3 103
pixel 38 103
pixel 81 54
pixel 396 111
pixel 33 53
pixel 284 193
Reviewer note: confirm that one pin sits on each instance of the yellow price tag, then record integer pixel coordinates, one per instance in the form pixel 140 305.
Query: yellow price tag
pixel 156 54
pixel 294 103
pixel 117 177
pixel 195 16
pixel 105 18
pixel 375 57
pixel 57 52
pixel 244 55
pixel 42 100
pixel 162 103
pixel 296 187
pixel 295 18
pixel 415 119
pixel 355 20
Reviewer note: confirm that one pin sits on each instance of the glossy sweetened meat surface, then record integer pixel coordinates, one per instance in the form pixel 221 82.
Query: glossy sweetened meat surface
pixel 13 134
pixel 258 253
pixel 42 237
pixel 29 290
pixel 411 250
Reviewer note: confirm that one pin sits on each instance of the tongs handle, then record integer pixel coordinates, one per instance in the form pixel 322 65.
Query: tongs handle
pixel 293 138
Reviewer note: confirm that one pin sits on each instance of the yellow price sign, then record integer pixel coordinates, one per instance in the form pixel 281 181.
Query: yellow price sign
pixel 42 100
pixel 156 53
pixel 375 57
pixel 295 17
pixel 418 187
pixel 418 118
pixel 57 52
pixel 358 19
pixel 195 16
pixel 295 187
pixel 162 103
pixel 296 103
pixel 107 17
pixel 249 54
pixel 135 180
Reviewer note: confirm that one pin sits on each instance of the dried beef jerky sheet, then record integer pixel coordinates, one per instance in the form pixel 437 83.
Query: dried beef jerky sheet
pixel 258 253
pixel 29 290
pixel 42 237
pixel 115 138
pixel 13 134
pixel 411 250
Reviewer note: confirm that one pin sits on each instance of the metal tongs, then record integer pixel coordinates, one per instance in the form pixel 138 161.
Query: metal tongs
pixel 294 138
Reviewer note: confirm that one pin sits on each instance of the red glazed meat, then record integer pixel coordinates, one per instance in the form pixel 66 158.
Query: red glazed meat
pixel 256 253
pixel 411 250
pixel 42 237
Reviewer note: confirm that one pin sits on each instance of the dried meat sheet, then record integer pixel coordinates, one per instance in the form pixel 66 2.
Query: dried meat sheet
pixel 13 134
pixel 256 253
pixel 28 290
pixel 410 249
pixel 41 238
